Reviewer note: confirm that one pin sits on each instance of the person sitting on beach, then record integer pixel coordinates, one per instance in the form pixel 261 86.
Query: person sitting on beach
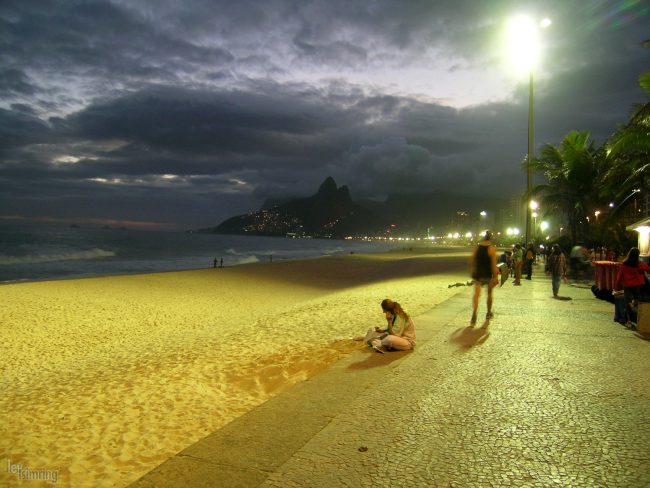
pixel 399 333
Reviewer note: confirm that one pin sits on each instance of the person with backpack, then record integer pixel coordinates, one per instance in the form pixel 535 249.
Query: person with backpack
pixel 484 272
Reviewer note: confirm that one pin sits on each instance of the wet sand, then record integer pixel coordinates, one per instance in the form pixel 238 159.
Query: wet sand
pixel 105 378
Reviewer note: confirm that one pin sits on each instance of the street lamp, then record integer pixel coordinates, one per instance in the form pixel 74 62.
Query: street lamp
pixel 543 226
pixel 524 52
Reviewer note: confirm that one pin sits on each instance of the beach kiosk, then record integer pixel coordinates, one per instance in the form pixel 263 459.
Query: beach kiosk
pixel 605 271
pixel 643 228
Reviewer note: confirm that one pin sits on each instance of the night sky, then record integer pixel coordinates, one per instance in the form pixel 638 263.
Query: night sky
pixel 179 114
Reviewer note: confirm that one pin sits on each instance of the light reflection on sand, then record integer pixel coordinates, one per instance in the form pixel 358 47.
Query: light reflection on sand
pixel 105 378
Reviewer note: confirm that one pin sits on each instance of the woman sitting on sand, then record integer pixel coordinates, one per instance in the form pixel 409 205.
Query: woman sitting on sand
pixel 400 333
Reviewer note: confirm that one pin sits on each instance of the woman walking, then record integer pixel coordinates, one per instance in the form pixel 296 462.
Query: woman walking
pixel 556 266
pixel 484 272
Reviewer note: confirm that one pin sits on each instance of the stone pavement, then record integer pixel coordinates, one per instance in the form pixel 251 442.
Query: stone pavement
pixel 550 393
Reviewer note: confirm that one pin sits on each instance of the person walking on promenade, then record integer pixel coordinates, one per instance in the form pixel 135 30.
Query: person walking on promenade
pixel 556 267
pixel 629 278
pixel 517 257
pixel 484 272
pixel 530 259
pixel 400 331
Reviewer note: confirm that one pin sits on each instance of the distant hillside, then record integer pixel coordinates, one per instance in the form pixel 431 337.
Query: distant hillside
pixel 328 213
pixel 332 213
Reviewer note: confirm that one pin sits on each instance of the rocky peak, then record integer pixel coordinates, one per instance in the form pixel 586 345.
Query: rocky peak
pixel 328 187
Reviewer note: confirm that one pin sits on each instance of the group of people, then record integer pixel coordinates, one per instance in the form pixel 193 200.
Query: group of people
pixel 399 333
pixel 519 261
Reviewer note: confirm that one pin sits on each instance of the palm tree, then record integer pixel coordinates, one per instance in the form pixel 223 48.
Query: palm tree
pixel 571 170
pixel 628 151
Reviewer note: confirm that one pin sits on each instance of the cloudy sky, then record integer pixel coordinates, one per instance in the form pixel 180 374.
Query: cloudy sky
pixel 176 114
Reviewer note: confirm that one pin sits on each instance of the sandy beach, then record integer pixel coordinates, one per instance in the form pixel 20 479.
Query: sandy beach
pixel 105 378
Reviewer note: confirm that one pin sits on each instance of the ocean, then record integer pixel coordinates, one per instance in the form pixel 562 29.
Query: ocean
pixel 47 252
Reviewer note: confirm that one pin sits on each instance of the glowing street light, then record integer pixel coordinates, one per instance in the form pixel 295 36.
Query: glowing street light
pixel 523 45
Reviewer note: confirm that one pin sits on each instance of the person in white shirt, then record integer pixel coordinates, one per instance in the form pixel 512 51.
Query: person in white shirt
pixel 400 331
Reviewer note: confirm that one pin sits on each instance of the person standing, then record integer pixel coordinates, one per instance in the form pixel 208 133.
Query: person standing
pixel 556 267
pixel 630 277
pixel 530 259
pixel 517 258
pixel 484 272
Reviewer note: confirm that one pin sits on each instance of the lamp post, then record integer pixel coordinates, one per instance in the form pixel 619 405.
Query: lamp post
pixel 533 206
pixel 529 156
pixel 524 49
pixel 483 221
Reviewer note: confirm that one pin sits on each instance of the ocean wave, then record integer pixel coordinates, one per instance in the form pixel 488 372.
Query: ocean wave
pixel 48 258
pixel 333 250
pixel 248 260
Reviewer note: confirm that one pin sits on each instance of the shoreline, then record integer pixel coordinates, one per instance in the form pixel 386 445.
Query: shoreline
pixel 419 250
pixel 107 377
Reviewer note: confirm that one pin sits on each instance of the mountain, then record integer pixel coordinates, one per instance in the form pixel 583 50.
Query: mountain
pixel 328 213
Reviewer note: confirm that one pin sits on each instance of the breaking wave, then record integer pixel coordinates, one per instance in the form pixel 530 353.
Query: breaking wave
pixel 49 258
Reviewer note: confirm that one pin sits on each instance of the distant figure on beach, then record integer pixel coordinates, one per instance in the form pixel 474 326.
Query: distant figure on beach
pixel 630 278
pixel 556 267
pixel 399 333
pixel 517 258
pixel 484 272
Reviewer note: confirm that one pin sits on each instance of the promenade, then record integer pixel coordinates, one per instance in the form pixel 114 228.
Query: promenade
pixel 550 393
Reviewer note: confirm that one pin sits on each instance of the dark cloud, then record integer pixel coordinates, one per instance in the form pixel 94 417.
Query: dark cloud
pixel 189 112
pixel 20 127
pixel 15 82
